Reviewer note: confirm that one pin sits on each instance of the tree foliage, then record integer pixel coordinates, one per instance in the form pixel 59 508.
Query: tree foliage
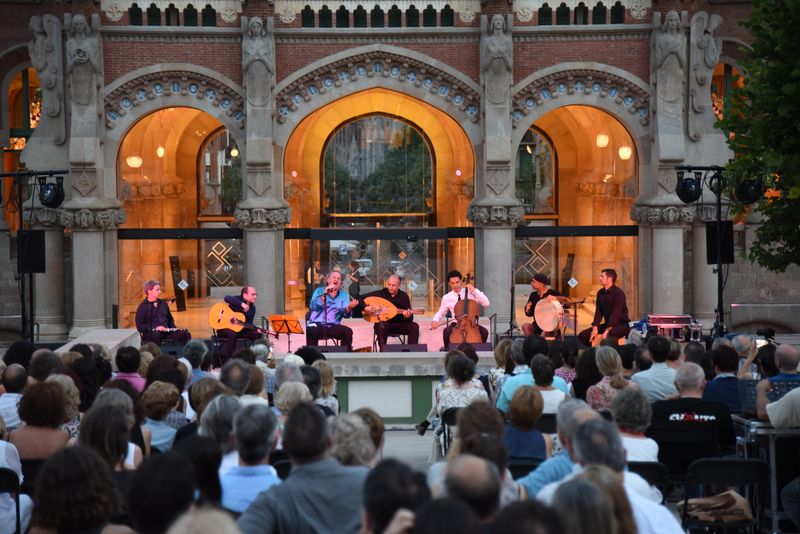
pixel 764 122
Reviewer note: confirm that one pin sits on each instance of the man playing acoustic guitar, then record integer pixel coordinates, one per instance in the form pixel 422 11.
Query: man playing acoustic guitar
pixel 402 322
pixel 244 303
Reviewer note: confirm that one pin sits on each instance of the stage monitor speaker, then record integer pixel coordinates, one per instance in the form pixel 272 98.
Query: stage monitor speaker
pixel 30 251
pixel 477 346
pixel 725 244
pixel 405 347
pixel 333 348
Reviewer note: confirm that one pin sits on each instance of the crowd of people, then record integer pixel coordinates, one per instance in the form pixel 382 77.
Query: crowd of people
pixel 151 443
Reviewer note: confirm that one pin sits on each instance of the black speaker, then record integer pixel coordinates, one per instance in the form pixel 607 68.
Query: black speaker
pixel 725 243
pixel 30 251
pixel 333 348
pixel 405 347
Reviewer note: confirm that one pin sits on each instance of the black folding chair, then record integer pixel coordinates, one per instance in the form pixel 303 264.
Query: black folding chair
pixel 655 473
pixel 448 422
pixel 9 483
pixel 716 475
pixel 680 444
pixel 30 468
pixel 546 424
pixel 521 467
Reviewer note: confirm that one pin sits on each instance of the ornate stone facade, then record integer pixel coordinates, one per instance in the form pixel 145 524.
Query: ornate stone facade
pixel 663 215
pixel 267 218
pixel 487 216
pixel 89 219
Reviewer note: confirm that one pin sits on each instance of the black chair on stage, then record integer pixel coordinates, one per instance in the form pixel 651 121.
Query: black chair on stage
pixel 400 337
pixel 546 424
pixel 448 423
pixel 9 483
pixel 655 473
pixel 716 475
pixel 322 337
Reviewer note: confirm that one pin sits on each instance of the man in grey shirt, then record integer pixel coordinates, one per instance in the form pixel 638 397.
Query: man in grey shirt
pixel 658 382
pixel 320 495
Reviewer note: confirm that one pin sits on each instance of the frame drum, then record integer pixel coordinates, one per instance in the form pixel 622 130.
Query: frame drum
pixel 548 314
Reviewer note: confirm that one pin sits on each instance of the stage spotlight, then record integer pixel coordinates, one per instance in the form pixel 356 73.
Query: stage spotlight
pixel 716 183
pixel 749 191
pixel 688 189
pixel 51 195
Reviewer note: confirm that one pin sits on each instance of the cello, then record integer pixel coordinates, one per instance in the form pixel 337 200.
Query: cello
pixel 466 312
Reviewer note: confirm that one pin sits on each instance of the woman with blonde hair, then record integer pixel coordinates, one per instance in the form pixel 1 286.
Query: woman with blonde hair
pixel 73 400
pixel 502 353
pixel 600 395
pixel 327 395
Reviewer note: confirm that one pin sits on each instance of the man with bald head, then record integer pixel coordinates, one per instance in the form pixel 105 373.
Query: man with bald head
pixel 475 482
pixel 15 378
pixel 572 413
pixel 402 323
pixel 786 359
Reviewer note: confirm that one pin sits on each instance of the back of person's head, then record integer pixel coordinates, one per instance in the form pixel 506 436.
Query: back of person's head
pixel 305 434
pixel 312 379
pixel 351 441
pixel 375 424
pixel 569 353
pixel 43 405
pixel 725 359
pixel 309 354
pixel 598 442
pixel 159 399
pixel 525 408
pixel 257 381
pixel 204 520
pixel 787 358
pixel 469 351
pixel 74 492
pixel 586 368
pixel 326 376
pixel 766 359
pixel 742 344
pixel 642 359
pixel 527 517
pixel 689 376
pixel 555 353
pixel 162 488
pixel 72 396
pixel 477 417
pixel 127 359
pixel 287 372
pixel 584 508
pixel 43 363
pixel 15 378
pixel 445 516
pixel 476 482
pixel 87 372
pixel 235 374
pixel 19 352
pixel 84 348
pixel 517 352
pixel 502 351
pixel 119 400
pixel 106 430
pixel 254 433
pixel 461 368
pixel 542 370
pixel 490 447
pixel 571 414
pixel 195 351
pixel 290 395
pixel 674 350
pixel 261 351
pixel 203 391
pixel 217 420
pixel 626 355
pixel 611 484
pixel 159 368
pixel 694 352
pixel 631 410
pixel 206 457
pixel 659 347
pixel 389 486
pixel 534 345
pixel 127 389
pixel 244 354
pixel 152 348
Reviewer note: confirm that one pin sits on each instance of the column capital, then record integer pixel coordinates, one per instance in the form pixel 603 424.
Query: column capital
pixel 263 218
pixel 663 215
pixel 495 216
pixel 92 219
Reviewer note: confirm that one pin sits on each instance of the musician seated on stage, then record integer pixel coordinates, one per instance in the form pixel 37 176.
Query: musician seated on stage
pixel 329 305
pixel 244 303
pixel 458 292
pixel 402 323
pixel 611 319
pixel 541 291
pixel 154 320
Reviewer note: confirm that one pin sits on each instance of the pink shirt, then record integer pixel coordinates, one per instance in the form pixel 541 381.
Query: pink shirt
pixel 134 379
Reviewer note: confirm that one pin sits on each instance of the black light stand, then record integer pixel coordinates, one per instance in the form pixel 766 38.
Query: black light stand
pixel 51 196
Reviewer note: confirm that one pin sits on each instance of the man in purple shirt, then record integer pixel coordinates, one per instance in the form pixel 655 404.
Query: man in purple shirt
pixel 611 311
pixel 154 320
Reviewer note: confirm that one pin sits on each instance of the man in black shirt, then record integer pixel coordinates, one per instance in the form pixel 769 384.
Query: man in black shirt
pixel 154 320
pixel 541 291
pixel 403 322
pixel 611 311
pixel 245 303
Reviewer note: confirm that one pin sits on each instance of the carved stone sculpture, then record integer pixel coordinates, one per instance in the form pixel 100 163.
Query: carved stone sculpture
pixel 704 56
pixel 83 57
pixel 670 56
pixel 257 62
pixel 45 51
pixel 496 65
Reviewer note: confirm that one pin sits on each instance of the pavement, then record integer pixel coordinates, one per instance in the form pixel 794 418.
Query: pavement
pixel 403 443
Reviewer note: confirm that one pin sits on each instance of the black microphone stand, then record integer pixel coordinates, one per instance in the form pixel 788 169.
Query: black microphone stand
pixel 513 328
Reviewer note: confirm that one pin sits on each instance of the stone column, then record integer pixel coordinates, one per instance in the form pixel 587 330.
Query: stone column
pixel 263 251
pixel 49 286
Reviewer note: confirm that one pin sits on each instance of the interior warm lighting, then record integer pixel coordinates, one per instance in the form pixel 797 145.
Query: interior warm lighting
pixel 458 172
pixel 606 178
pixel 160 152
pixel 294 174
pixel 234 152
pixel 528 149
pixel 625 152
pixel 134 162
pixel 601 141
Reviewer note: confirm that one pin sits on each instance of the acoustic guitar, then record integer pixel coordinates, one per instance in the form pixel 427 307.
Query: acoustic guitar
pixel 221 316
pixel 385 310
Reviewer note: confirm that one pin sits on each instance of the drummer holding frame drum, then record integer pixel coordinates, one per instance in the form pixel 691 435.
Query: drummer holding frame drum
pixel 544 308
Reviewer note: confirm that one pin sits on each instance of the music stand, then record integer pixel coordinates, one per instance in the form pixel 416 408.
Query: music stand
pixel 286 324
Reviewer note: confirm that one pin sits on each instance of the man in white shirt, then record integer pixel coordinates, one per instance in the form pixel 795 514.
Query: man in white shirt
pixel 14 380
pixel 458 292
pixel 658 382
